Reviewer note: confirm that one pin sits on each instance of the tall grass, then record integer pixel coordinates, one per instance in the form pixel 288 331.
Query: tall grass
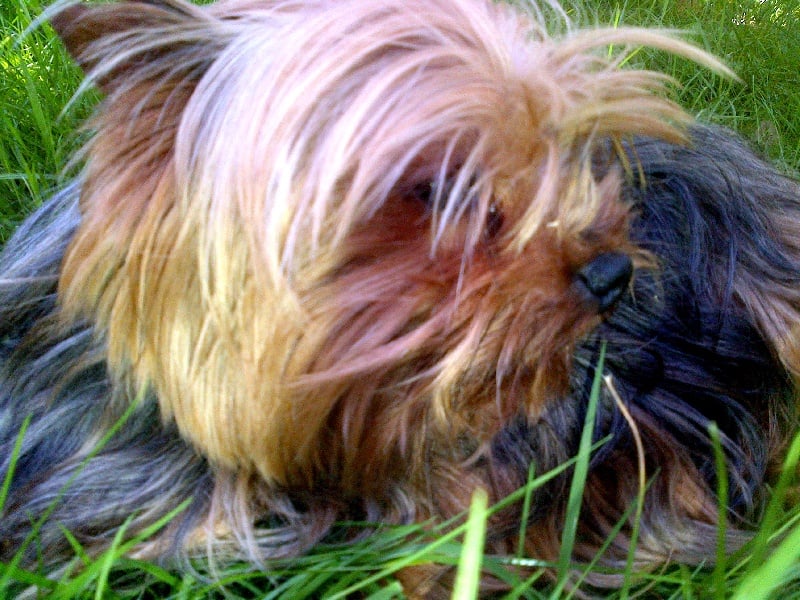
pixel 37 80
pixel 760 40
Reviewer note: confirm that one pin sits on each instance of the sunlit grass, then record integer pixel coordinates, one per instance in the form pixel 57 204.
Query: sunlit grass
pixel 759 39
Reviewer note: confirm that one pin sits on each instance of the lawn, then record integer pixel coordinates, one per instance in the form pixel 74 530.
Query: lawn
pixel 759 39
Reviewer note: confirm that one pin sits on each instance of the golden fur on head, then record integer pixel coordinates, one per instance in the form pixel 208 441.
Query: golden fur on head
pixel 336 237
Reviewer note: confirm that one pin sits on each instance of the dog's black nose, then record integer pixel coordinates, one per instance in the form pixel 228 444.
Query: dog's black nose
pixel 605 278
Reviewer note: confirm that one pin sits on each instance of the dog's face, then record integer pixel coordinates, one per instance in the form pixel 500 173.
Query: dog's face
pixel 351 233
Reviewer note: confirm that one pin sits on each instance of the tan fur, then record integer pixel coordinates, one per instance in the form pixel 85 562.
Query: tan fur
pixel 253 251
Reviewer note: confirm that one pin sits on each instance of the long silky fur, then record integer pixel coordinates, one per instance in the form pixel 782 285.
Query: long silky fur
pixel 286 334
pixel 690 346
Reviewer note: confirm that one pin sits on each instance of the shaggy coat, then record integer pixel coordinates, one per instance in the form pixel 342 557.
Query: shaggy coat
pixel 356 260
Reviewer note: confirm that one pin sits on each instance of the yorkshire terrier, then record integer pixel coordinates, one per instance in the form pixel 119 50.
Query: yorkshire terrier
pixel 358 259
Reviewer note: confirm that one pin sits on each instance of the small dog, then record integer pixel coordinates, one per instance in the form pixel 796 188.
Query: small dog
pixel 355 260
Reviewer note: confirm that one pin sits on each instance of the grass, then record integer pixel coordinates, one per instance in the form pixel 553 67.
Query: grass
pixel 36 139
pixel 759 39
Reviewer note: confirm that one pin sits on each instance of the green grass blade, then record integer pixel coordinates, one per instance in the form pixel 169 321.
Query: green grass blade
pixel 776 571
pixel 468 578
pixel 578 481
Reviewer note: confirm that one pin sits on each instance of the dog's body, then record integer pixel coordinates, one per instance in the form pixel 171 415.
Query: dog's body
pixel 386 287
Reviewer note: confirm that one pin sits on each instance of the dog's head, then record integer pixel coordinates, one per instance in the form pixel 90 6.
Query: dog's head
pixel 335 236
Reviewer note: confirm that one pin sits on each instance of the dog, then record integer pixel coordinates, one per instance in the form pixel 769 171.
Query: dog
pixel 356 260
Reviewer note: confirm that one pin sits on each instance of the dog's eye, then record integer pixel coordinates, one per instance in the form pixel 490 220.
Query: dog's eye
pixel 494 220
pixel 430 193
pixel 433 194
pixel 423 193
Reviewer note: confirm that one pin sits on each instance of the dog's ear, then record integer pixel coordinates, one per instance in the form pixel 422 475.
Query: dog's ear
pixel 76 30
pixel 92 33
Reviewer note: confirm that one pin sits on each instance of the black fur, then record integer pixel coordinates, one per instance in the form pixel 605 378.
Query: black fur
pixel 683 348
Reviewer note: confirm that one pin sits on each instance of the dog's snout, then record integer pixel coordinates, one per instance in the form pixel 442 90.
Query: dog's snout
pixel 605 278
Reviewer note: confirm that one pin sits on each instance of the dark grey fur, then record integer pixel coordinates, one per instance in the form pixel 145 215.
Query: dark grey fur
pixel 54 374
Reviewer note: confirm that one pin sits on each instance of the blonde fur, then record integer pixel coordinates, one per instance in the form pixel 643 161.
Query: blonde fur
pixel 255 250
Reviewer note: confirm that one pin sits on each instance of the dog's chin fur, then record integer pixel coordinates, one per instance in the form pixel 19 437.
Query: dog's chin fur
pixel 355 260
